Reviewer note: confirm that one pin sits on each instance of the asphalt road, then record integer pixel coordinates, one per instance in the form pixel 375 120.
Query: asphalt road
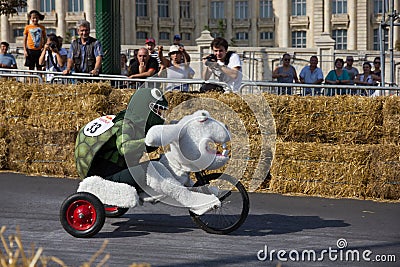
pixel 290 229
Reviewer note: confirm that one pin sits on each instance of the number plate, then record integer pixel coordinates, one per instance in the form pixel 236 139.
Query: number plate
pixel 98 126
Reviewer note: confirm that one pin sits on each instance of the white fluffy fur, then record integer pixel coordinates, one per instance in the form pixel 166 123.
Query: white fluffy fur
pixel 110 193
pixel 188 142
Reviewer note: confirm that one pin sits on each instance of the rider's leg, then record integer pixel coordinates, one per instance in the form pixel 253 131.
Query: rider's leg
pixel 134 176
pixel 160 179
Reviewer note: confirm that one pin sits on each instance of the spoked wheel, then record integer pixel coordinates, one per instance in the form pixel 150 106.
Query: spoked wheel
pixel 114 211
pixel 234 205
pixel 82 214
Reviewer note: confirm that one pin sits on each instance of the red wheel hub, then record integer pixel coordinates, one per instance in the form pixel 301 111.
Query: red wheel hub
pixel 81 215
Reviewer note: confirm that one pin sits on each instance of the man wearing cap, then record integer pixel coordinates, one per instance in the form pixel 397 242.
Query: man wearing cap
pixel 151 45
pixel 177 67
pixel 177 40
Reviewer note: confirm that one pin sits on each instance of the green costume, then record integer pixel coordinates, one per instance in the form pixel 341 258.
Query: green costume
pixel 111 146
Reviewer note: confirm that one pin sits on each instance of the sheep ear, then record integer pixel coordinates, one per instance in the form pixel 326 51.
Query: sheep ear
pixel 162 135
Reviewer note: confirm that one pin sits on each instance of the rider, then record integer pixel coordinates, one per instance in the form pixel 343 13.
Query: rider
pixel 111 146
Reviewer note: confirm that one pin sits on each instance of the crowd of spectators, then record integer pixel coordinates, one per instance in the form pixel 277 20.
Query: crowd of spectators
pixel 85 55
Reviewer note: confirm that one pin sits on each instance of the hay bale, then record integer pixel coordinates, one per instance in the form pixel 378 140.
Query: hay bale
pixel 391 120
pixel 341 119
pixel 336 170
pixel 3 154
pixel 42 151
pixel 14 98
pixel 118 100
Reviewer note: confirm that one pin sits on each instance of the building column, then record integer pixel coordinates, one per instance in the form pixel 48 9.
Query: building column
pixel 5 28
pixel 60 10
pixel 230 16
pixel 327 16
pixel 396 29
pixel 254 14
pixel 352 29
pixel 154 18
pixel 284 24
pixel 89 13
pixel 176 17
pixel 31 4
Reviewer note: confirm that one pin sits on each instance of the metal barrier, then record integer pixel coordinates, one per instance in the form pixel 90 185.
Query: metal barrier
pixel 250 87
pixel 25 78
pixel 164 84
pixel 193 85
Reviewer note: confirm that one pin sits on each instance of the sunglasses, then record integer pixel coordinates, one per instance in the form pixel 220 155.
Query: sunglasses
pixel 286 59
pixel 377 62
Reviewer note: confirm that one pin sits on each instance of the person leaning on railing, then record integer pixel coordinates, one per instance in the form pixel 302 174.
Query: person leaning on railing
pixel 88 61
pixel 337 76
pixel 312 74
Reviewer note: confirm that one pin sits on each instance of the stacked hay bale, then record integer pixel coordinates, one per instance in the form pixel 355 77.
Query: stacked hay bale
pixel 345 146
pixel 43 121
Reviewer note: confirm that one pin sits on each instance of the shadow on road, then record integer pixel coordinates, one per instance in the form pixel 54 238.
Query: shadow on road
pixel 255 225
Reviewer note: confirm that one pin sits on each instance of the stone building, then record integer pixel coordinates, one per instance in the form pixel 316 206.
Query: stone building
pixel 353 24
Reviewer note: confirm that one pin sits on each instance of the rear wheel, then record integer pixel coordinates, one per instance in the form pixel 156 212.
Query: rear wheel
pixel 234 205
pixel 114 211
pixel 82 214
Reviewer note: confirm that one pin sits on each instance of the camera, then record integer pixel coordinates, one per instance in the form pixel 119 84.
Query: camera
pixel 53 46
pixel 211 59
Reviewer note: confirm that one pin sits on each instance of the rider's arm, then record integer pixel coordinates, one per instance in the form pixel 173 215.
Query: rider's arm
pixel 127 142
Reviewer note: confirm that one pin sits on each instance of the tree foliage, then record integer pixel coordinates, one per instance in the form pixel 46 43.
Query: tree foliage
pixel 11 6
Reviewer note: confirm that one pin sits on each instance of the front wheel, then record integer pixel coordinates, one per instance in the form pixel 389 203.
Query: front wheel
pixel 82 214
pixel 234 205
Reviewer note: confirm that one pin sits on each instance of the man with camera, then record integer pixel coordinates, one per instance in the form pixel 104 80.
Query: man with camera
pixel 52 57
pixel 225 65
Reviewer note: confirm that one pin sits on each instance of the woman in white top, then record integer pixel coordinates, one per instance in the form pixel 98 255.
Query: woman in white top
pixel 176 67
pixel 367 78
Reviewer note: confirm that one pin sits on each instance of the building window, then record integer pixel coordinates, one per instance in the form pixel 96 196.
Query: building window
pixel 377 42
pixel 21 9
pixel 72 32
pixel 299 39
pixel 18 32
pixel 47 6
pixel 163 11
pixel 141 8
pixel 266 35
pixel 241 9
pixel 340 36
pixel 164 36
pixel 217 10
pixel 186 36
pixel 75 5
pixel 51 31
pixel 184 9
pixel 339 7
pixel 242 36
pixel 299 7
pixel 266 9
pixel 141 35
pixel 378 6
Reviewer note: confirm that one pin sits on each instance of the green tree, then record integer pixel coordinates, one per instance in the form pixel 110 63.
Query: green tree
pixel 11 6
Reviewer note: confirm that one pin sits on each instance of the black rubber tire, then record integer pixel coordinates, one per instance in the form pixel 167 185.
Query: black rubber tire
pixel 114 212
pixel 82 214
pixel 233 211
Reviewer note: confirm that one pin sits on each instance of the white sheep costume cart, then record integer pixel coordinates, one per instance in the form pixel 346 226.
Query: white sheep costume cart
pixel 217 203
